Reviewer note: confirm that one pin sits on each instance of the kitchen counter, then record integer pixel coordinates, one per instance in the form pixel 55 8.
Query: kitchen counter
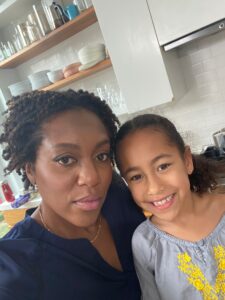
pixel 14 215
pixel 32 203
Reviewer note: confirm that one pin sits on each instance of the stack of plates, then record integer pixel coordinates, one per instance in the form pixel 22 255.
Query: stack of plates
pixel 90 55
pixel 19 88
pixel 39 80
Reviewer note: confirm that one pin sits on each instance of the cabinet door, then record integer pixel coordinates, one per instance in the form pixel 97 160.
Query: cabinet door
pixel 133 47
pixel 175 18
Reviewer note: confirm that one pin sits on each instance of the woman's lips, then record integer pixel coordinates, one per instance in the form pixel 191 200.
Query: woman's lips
pixel 88 203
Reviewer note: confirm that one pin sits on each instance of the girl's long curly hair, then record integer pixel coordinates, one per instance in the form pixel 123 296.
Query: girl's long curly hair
pixel 22 128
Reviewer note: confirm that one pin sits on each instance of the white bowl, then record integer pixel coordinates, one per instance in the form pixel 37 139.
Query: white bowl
pixel 92 47
pixel 87 58
pixel 90 64
pixel 19 88
pixel 56 75
pixel 39 79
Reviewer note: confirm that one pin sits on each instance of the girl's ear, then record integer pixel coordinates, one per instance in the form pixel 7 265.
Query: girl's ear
pixel 188 160
pixel 29 168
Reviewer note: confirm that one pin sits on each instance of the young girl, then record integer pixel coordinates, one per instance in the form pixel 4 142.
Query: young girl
pixel 180 251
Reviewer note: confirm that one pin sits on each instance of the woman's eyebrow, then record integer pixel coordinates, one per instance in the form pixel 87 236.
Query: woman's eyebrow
pixel 77 146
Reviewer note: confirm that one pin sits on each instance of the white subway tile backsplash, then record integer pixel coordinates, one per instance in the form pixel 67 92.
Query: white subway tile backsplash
pixel 201 111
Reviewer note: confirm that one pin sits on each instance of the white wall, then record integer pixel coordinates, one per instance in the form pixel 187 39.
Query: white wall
pixel 202 110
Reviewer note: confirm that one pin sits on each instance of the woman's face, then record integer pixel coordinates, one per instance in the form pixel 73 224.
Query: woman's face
pixel 73 167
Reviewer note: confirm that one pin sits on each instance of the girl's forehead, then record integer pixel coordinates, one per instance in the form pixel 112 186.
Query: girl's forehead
pixel 148 133
pixel 148 139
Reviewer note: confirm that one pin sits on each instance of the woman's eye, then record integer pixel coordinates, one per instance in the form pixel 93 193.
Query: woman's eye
pixel 103 157
pixel 65 161
pixel 163 167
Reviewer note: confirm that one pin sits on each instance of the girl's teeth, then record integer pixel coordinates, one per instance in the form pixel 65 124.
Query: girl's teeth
pixel 162 202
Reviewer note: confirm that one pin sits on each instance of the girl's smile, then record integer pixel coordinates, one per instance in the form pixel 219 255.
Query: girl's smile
pixel 162 203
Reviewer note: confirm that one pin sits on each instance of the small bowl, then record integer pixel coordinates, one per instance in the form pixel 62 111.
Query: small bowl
pixel 56 75
pixel 19 88
pixel 39 79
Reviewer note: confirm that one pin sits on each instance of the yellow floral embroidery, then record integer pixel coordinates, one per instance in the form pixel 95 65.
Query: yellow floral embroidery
pixel 197 278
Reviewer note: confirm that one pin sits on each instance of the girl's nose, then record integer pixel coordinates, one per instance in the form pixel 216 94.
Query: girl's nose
pixel 88 174
pixel 154 185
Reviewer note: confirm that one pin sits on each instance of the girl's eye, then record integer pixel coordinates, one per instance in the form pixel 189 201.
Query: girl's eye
pixel 65 161
pixel 163 167
pixel 103 157
pixel 135 177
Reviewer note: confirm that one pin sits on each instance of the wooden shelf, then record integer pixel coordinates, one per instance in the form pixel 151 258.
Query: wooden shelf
pixel 85 19
pixel 82 74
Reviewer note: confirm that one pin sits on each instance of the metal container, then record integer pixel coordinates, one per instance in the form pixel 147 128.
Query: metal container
pixel 41 19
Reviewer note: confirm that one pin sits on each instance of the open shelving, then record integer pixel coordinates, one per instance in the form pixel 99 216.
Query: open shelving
pixel 84 20
pixel 80 75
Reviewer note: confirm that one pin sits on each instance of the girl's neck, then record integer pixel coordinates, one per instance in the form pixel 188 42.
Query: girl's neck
pixel 198 223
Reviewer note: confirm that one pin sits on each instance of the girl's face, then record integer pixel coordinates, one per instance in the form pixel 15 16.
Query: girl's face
pixel 73 168
pixel 155 172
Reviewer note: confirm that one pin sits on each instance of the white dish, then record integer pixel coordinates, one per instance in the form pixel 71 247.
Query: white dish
pixel 39 79
pixel 92 47
pixel 55 76
pixel 19 88
pixel 90 64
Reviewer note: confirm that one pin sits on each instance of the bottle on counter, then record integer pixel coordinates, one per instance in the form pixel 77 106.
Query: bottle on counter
pixel 7 191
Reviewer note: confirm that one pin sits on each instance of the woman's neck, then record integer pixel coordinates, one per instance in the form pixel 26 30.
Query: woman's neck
pixel 58 226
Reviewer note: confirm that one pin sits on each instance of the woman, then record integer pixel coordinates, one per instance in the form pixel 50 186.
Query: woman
pixel 76 244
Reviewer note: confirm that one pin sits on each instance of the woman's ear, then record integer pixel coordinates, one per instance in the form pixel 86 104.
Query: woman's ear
pixel 188 160
pixel 29 168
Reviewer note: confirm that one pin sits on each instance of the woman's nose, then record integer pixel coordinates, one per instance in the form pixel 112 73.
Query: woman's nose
pixel 88 174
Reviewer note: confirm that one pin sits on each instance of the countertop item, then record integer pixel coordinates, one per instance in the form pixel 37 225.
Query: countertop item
pixel 213 152
pixel 32 203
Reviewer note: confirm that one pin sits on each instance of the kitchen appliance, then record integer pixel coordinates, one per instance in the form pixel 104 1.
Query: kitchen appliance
pixel 213 152
pixel 219 138
pixel 208 30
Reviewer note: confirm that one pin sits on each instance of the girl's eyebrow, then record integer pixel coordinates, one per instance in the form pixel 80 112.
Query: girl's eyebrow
pixel 154 160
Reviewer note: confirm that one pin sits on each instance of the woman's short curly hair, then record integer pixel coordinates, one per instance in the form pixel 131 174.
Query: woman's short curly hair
pixel 26 114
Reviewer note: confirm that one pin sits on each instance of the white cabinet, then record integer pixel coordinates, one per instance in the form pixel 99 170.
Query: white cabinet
pixel 135 54
pixel 175 18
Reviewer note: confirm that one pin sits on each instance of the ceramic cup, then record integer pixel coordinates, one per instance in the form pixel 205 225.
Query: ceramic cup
pixel 71 11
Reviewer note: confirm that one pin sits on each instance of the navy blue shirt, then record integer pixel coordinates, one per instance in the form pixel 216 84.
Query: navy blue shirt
pixel 36 264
